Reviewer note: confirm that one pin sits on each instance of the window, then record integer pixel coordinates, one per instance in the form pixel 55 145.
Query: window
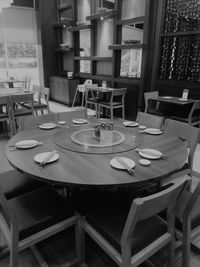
pixel 19 47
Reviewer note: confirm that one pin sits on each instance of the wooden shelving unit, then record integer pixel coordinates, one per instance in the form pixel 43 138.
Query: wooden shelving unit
pixel 126 46
pixel 101 59
pixel 79 28
pixel 106 14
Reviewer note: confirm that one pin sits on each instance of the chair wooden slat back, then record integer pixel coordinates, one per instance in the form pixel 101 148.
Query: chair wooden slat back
pixel 31 122
pixel 147 96
pixel 143 208
pixel 44 94
pixel 6 111
pixel 185 132
pixel 150 120
pixel 7 219
pixel 4 100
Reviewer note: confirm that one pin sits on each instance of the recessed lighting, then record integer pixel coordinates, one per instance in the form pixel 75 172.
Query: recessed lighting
pixel 101 18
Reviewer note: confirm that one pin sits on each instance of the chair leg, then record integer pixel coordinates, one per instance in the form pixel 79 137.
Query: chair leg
pixel 170 256
pixel 123 112
pixel 111 113
pixel 186 244
pixel 81 243
pixel 14 252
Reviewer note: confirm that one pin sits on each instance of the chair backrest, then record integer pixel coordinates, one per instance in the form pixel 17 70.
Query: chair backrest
pixel 185 132
pixel 118 95
pixel 146 207
pixel 147 96
pixel 36 91
pixel 8 223
pixel 31 121
pixel 80 112
pixel 4 100
pixel 44 94
pixel 21 98
pixel 150 120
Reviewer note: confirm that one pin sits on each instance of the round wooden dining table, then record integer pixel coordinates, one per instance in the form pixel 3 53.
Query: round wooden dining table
pixel 80 165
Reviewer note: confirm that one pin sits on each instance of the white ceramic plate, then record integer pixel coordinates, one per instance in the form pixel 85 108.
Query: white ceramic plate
pixel 152 131
pixel 62 122
pixel 114 163
pixel 47 126
pixel 144 162
pixel 183 99
pixel 130 123
pixel 41 156
pixel 26 144
pixel 155 153
pixel 79 121
pixel 142 127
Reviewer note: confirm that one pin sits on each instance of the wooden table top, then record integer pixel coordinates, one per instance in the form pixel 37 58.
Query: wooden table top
pixel 174 100
pixel 89 169
pixel 101 89
pixel 13 91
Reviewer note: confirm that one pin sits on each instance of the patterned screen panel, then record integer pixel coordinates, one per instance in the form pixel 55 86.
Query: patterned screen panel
pixel 180 41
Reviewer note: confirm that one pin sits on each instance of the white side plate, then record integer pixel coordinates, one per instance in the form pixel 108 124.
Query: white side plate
pixel 41 156
pixel 130 123
pixel 153 131
pixel 155 153
pixel 47 126
pixel 114 163
pixel 24 144
pixel 79 121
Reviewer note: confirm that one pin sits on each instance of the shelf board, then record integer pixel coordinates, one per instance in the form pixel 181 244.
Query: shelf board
pixel 125 46
pixel 82 58
pixel 102 58
pixel 79 28
pixel 65 6
pixel 65 22
pixel 136 20
pixel 63 50
pixel 179 33
pixel 135 81
pixel 106 14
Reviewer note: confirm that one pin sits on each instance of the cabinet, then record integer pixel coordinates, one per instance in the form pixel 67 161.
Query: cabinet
pixel 63 89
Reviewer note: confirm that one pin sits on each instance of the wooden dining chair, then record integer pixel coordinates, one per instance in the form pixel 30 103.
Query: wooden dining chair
pixel 131 236
pixel 150 120
pixel 187 223
pixel 190 116
pixel 32 217
pixel 41 99
pixel 116 101
pixel 188 134
pixel 18 109
pixel 152 107
pixel 92 97
pixel 32 121
pixel 5 114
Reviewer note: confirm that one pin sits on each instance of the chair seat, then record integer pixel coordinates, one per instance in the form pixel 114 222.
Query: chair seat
pixel 195 118
pixel 14 183
pixel 36 105
pixel 110 224
pixel 94 99
pixel 107 103
pixel 3 115
pixel 45 208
